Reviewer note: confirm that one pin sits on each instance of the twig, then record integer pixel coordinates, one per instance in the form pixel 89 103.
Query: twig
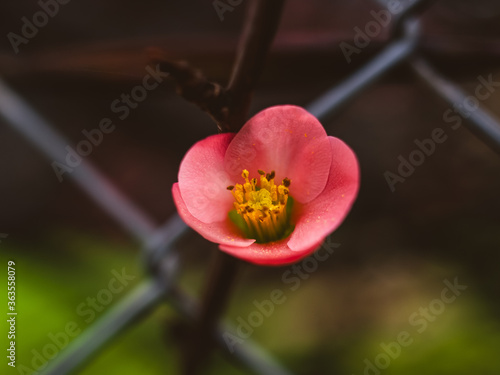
pixel 258 34
pixel 193 86
pixel 229 106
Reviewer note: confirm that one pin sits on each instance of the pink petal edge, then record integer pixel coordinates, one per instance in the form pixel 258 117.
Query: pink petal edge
pixel 288 140
pixel 222 232
pixel 203 181
pixel 269 254
pixel 324 214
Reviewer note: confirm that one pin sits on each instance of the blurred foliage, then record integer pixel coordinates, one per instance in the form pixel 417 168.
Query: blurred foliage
pixel 308 332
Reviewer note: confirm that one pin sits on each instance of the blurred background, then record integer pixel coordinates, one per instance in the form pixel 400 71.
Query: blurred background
pixel 396 248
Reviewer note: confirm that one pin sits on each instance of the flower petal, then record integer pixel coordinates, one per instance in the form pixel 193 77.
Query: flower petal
pixel 203 181
pixel 324 214
pixel 288 140
pixel 271 254
pixel 222 232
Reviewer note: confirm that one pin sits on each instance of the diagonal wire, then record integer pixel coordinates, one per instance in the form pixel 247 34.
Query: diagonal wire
pixel 332 100
pixel 140 301
pixel 27 121
pixel 412 8
pixel 39 132
pixel 160 243
pixel 480 121
pixel 254 357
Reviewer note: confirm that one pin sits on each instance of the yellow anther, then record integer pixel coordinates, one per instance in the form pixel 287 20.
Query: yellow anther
pixel 263 207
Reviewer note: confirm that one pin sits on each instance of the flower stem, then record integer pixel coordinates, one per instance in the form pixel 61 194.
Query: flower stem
pixel 215 298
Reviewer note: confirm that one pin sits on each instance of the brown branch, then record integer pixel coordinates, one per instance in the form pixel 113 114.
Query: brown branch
pixel 229 107
pixel 258 34
pixel 193 86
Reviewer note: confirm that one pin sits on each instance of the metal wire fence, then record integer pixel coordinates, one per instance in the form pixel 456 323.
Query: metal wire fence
pixel 158 243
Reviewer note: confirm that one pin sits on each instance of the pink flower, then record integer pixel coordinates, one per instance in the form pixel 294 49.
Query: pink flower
pixel 273 218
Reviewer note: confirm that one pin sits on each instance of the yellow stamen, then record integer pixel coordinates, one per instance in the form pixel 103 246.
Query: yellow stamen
pixel 262 207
